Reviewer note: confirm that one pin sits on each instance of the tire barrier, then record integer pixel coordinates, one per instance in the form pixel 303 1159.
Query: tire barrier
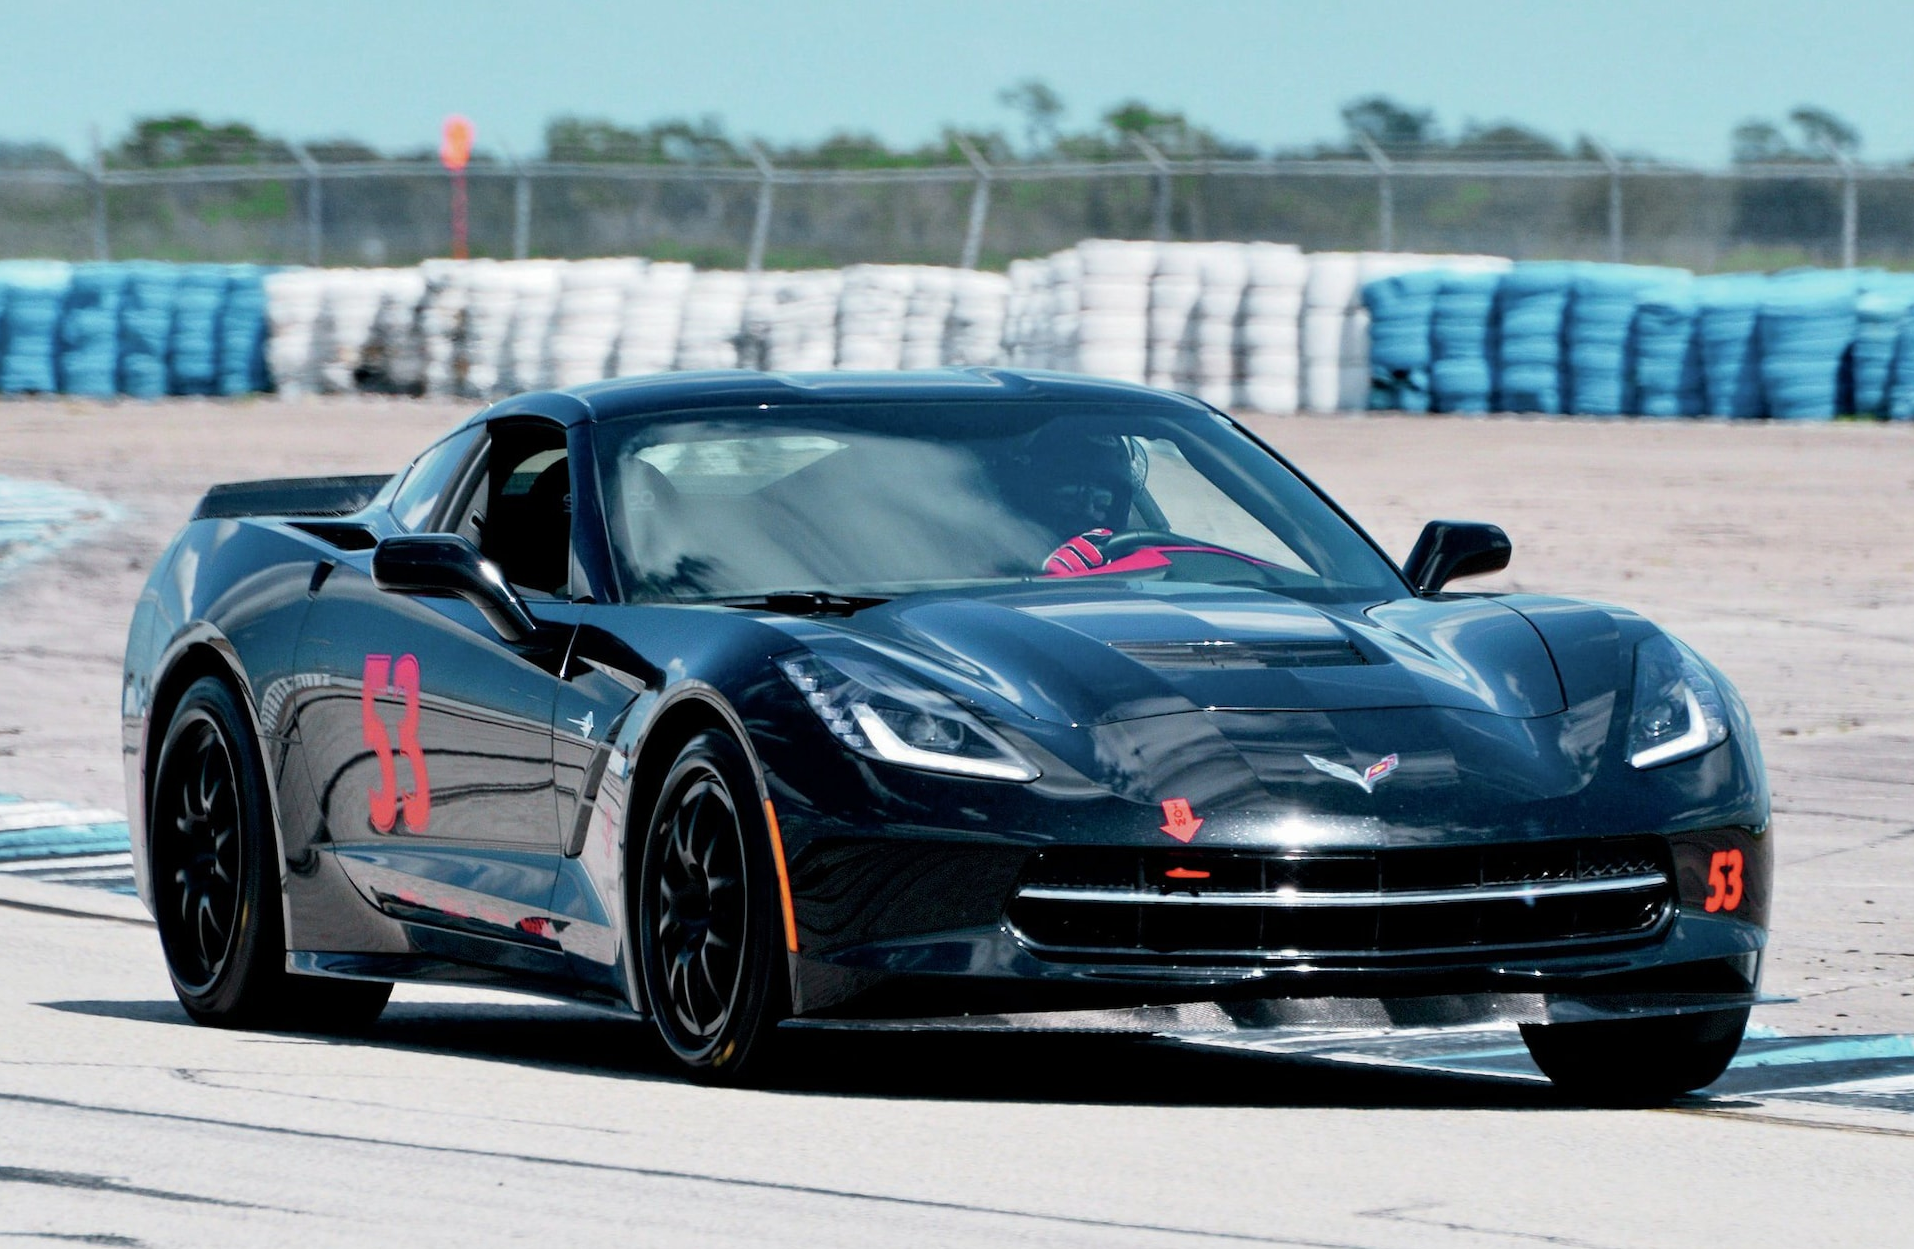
pixel 1666 377
pixel 1601 322
pixel 1880 312
pixel 1401 333
pixel 1462 342
pixel 1257 326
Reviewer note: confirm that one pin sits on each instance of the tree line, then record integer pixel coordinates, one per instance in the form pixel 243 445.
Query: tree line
pixel 1702 223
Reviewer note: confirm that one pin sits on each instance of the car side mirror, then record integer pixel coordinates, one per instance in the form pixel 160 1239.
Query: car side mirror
pixel 1449 549
pixel 444 565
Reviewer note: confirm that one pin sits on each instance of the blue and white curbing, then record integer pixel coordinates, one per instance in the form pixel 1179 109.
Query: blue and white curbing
pixel 59 844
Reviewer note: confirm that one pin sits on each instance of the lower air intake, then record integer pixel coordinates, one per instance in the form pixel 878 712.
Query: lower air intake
pixel 1445 901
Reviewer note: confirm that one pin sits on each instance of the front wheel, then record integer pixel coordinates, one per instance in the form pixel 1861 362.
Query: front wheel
pixel 215 881
pixel 709 931
pixel 1637 1062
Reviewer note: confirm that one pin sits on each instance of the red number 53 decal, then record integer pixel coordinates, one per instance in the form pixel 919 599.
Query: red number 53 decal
pixel 1724 881
pixel 383 676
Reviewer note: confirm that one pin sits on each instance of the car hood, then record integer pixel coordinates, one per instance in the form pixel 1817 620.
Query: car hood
pixel 1105 653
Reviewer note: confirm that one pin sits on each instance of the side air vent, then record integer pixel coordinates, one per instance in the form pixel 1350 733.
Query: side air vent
pixel 1210 655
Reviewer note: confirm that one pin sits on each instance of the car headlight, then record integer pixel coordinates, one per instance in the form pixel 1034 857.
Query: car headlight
pixel 1678 707
pixel 880 715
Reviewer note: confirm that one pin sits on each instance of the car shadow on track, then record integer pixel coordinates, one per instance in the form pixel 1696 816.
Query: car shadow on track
pixel 1100 1069
pixel 1097 1069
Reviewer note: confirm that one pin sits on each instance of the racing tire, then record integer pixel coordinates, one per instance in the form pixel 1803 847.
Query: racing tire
pixel 214 857
pixel 710 932
pixel 1636 1062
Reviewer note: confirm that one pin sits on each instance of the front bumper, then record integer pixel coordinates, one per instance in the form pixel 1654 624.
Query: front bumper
pixel 908 930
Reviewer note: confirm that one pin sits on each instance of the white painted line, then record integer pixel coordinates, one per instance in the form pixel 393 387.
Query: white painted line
pixel 13 819
pixel 122 860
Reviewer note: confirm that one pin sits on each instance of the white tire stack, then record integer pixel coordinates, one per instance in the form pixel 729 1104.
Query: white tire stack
pixel 1207 363
pixel 442 323
pixel 344 326
pixel 524 364
pixel 491 300
pixel 1269 331
pixel 1174 290
pixel 394 357
pixel 1113 325
pixel 651 318
pixel 870 316
pixel 713 320
pixel 1022 321
pixel 975 332
pixel 294 300
pixel 1335 335
pixel 802 337
pixel 925 317
pixel 587 319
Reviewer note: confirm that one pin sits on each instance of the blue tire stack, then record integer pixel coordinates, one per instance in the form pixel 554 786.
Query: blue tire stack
pixel 1667 351
pixel 1462 343
pixel 29 338
pixel 1599 330
pixel 90 330
pixel 242 332
pixel 193 351
pixel 1401 313
pixel 1808 322
pixel 1532 307
pixel 1881 316
pixel 146 328
pixel 1729 310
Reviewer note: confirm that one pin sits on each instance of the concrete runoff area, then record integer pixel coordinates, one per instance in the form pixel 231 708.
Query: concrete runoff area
pixel 1778 550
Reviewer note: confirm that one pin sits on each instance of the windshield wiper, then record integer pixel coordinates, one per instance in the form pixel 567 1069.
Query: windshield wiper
pixel 804 602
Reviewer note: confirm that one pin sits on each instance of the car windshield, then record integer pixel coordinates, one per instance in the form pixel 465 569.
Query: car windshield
pixel 892 498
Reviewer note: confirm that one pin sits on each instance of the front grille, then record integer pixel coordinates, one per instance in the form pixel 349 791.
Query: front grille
pixel 1098 902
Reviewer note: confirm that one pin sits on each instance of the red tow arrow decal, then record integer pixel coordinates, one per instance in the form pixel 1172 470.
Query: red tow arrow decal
pixel 1182 821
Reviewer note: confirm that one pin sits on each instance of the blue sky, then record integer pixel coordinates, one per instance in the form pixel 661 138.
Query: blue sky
pixel 1664 77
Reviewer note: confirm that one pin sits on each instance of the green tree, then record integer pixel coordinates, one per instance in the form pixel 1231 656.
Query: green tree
pixel 184 140
pixel 1389 124
pixel 1041 109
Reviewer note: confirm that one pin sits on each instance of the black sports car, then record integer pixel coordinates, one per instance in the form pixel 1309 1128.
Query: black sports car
pixel 734 700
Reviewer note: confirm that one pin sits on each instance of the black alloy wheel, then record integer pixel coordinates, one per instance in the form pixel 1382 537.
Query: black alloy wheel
pixel 214 860
pixel 198 852
pixel 709 936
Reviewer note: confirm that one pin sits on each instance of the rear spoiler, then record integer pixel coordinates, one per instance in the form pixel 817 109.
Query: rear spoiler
pixel 290 496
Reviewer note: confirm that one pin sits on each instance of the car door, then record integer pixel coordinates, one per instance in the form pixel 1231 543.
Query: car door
pixel 428 736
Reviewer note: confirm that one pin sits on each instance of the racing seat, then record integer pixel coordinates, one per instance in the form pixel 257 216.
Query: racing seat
pixel 529 537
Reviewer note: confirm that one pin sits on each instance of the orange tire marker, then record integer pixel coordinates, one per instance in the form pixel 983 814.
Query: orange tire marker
pixel 784 877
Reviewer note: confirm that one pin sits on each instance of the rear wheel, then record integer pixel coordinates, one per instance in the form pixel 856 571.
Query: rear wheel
pixel 1637 1062
pixel 214 863
pixel 709 931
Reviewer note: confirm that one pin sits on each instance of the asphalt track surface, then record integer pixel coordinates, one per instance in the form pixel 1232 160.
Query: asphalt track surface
pixel 474 1118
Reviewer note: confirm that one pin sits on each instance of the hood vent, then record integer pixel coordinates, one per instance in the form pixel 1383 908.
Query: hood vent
pixel 1171 656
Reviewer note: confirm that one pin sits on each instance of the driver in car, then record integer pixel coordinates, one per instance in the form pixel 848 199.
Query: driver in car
pixel 1078 486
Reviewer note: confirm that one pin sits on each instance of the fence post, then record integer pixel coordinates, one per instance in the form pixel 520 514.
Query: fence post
pixel 1161 213
pixel 315 229
pixel 1385 190
pixel 761 224
pixel 97 174
pixel 1850 207
pixel 1614 198
pixel 979 203
pixel 521 207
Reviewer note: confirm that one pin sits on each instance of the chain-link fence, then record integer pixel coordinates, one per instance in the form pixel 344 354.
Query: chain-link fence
pixel 397 212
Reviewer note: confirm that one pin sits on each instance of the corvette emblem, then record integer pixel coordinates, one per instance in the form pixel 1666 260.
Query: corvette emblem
pixel 583 722
pixel 1366 780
